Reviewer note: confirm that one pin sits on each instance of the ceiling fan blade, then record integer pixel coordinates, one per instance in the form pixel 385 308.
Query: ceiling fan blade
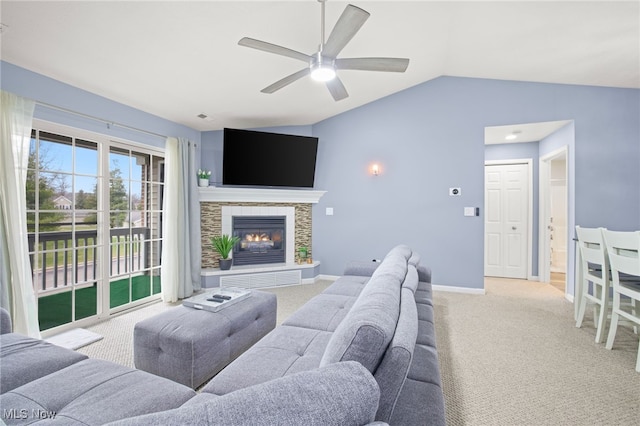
pixel 373 64
pixel 286 81
pixel 337 89
pixel 347 26
pixel 274 48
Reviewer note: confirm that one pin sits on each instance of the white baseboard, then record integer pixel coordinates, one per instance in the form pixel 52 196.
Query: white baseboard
pixel 533 278
pixel 452 289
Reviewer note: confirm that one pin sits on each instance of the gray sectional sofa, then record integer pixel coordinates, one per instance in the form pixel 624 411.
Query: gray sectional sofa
pixel 362 352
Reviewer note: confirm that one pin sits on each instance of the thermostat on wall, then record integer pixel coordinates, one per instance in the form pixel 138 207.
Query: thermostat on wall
pixel 454 192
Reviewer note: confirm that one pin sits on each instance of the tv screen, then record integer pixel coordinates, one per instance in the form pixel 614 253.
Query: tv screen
pixel 268 159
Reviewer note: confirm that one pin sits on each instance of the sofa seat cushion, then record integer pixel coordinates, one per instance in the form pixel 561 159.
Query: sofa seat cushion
pixel 340 394
pixel 286 350
pixel 24 359
pixel 322 312
pixel 94 392
pixel 349 285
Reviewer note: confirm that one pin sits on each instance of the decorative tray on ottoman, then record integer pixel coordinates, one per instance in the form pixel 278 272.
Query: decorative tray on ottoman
pixel 217 299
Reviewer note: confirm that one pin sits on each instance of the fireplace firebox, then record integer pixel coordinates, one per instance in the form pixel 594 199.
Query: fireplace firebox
pixel 262 239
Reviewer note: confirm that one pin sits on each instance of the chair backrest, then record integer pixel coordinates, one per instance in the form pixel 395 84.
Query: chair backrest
pixel 593 251
pixel 623 249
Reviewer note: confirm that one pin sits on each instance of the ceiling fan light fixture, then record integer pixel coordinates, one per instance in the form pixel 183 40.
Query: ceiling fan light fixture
pixel 322 69
pixel 323 73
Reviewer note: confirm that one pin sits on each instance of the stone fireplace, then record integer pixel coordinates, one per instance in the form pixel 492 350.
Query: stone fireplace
pixel 219 207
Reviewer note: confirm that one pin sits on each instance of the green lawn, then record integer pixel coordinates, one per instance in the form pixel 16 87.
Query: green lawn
pixel 55 310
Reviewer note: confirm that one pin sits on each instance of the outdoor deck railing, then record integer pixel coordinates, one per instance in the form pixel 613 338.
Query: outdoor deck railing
pixel 129 250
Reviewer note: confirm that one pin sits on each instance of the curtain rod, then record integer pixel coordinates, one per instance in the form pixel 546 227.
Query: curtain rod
pixel 107 122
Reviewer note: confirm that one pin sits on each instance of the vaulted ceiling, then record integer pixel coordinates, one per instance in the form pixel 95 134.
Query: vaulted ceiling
pixel 180 59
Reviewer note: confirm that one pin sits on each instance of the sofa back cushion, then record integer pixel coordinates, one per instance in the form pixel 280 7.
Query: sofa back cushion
pixel 393 368
pixel 340 394
pixel 411 279
pixel 367 329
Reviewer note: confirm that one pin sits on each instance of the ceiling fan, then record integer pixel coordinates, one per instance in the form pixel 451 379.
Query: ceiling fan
pixel 323 64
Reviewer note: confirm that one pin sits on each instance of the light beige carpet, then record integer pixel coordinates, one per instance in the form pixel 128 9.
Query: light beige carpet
pixel 515 357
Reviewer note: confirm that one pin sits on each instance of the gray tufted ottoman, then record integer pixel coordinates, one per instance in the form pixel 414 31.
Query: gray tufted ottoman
pixel 190 346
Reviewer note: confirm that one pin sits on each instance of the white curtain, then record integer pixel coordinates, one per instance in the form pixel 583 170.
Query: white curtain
pixel 181 249
pixel 17 295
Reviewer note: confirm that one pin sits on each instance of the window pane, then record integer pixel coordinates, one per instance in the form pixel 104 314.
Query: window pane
pixel 86 158
pixel 157 169
pixel 118 194
pixel 139 166
pixel 137 191
pixel 54 191
pixel 54 310
pixel 31 189
pixel 85 196
pixel 55 153
pixel 119 163
pixel 86 301
pixel 119 292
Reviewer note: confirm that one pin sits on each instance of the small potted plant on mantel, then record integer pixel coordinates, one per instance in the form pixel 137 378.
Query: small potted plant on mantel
pixel 223 244
pixel 203 177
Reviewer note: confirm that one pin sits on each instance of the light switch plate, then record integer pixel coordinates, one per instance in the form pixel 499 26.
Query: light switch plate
pixel 329 211
pixel 469 211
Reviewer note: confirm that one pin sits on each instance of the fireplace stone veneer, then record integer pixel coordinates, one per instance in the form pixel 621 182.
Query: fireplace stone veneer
pixel 216 218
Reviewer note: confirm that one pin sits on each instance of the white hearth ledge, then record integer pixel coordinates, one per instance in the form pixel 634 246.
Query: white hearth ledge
pixel 259 195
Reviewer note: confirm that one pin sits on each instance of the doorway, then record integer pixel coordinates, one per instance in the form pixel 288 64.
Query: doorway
pixel 507 219
pixel 554 218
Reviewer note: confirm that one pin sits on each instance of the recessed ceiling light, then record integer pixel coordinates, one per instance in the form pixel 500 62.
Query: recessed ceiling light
pixel 513 135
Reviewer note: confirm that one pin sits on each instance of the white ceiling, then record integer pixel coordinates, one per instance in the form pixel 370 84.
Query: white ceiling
pixel 527 132
pixel 179 59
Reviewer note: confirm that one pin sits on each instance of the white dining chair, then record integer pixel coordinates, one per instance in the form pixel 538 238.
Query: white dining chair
pixel 623 249
pixel 594 261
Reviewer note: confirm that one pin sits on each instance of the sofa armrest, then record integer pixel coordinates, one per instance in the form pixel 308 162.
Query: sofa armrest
pixel 5 321
pixel 344 393
pixel 360 268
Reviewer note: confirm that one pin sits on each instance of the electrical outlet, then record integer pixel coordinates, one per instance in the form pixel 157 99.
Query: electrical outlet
pixel 455 192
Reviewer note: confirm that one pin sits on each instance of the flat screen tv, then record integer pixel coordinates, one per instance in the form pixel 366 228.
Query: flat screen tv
pixel 255 158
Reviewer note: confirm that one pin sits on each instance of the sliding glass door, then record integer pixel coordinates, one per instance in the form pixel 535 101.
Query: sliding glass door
pixel 94 209
pixel 135 210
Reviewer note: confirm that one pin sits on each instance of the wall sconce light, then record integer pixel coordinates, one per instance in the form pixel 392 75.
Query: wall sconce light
pixel 375 169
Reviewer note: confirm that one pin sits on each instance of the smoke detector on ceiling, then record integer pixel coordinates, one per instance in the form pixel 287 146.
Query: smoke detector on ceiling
pixel 204 117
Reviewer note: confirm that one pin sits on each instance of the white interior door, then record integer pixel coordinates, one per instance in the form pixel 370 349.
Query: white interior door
pixel 506 220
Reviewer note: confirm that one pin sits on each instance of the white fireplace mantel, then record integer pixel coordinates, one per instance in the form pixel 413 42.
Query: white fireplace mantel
pixel 259 195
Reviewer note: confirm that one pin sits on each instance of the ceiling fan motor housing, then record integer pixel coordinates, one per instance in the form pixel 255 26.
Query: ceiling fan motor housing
pixel 322 68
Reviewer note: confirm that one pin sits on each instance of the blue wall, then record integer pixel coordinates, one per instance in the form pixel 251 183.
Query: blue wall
pixel 430 137
pixel 47 90
pixel 426 139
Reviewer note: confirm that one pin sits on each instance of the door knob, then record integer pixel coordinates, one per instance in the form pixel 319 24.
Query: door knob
pixel 513 228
